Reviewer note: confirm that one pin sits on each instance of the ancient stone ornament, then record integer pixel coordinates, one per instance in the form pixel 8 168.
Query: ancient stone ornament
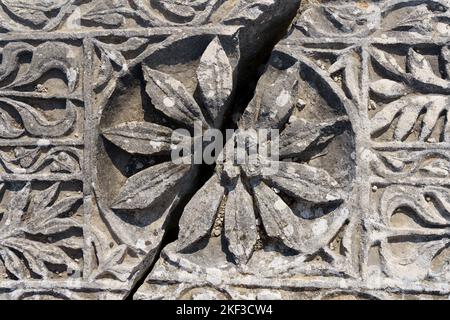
pixel 93 205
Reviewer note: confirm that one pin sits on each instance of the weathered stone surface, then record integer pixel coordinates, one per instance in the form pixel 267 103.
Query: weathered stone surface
pixel 355 206
pixel 358 207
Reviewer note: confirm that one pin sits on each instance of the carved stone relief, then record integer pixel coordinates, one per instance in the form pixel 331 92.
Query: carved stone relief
pixel 93 94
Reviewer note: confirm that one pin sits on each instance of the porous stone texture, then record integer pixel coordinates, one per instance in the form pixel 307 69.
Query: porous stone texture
pixel 93 207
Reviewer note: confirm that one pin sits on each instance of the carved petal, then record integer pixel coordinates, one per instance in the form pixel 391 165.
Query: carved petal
pixel 301 134
pixel 37 125
pixel 199 214
pixel 304 182
pixel 215 79
pixel 171 97
pixel 413 264
pixel 240 223
pixel 145 187
pixel 273 104
pixel 140 137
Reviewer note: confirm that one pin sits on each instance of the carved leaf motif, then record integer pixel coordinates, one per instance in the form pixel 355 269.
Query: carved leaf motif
pixel 407 164
pixel 109 261
pixel 27 214
pixel 387 63
pixel 404 197
pixel 199 214
pixel 7 128
pixel 339 20
pixel 420 74
pixel 423 73
pixel 147 186
pixel 409 108
pixel 305 182
pixel 215 79
pixel 17 204
pixel 10 57
pixel 240 223
pixel 13 264
pixel 413 264
pixel 28 161
pixel 42 251
pixel 445 55
pixel 105 72
pixel 36 12
pixel 140 137
pixel 171 98
pixel 181 10
pixel 113 54
pixel 43 198
pixel 388 89
pixel 64 162
pixel 417 19
pixel 408 252
pixel 50 56
pixel 36 124
pixel 438 168
pixel 349 63
pixel 271 108
pixel 248 10
pixel 73 243
pixel 107 13
pixel 301 134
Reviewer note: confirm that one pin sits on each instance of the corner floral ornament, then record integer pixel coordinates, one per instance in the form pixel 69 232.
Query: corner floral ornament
pixel 248 197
